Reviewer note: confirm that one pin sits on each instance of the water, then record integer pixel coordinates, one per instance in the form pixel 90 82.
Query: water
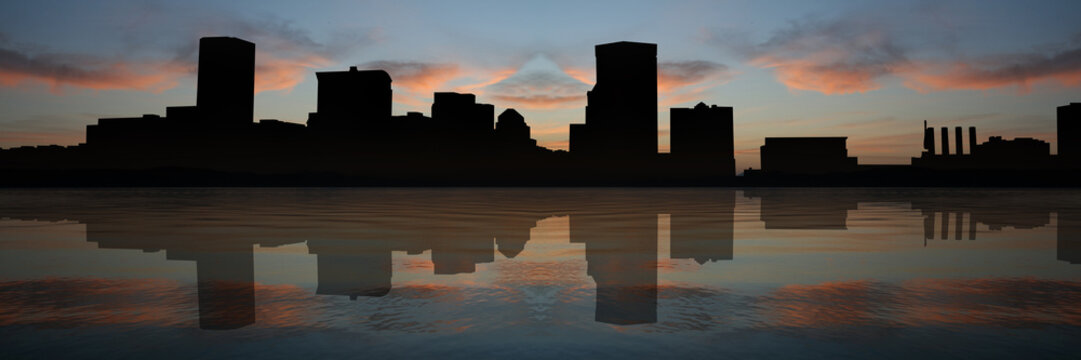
pixel 540 273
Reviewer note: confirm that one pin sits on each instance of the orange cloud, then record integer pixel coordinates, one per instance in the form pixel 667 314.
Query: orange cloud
pixel 838 57
pixel 543 101
pixel 996 72
pixel 688 81
pixel 851 54
pixel 672 76
pixel 830 80
pixel 417 77
pixel 274 73
pixel 67 70
pixel 493 78
pixel 583 75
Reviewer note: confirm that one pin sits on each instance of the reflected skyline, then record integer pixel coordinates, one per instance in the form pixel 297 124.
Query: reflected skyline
pixel 621 249
pixel 354 257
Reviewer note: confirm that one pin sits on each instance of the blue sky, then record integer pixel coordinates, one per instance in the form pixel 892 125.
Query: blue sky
pixel 872 71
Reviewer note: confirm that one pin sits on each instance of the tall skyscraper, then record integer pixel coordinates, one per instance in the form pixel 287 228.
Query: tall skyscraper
pixel 226 85
pixel 621 110
pixel 1069 132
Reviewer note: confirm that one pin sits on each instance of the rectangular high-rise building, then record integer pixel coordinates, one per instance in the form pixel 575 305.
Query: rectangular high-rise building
pixel 226 84
pixel 621 110
pixel 1069 132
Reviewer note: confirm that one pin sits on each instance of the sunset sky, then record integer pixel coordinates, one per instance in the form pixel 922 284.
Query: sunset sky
pixel 872 71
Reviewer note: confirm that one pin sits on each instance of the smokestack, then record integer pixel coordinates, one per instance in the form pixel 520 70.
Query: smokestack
pixel 945 141
pixel 960 140
pixel 928 139
pixel 972 140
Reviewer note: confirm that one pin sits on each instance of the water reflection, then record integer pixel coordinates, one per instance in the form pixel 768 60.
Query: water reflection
pixel 961 210
pixel 353 233
pixel 353 250
pixel 1069 235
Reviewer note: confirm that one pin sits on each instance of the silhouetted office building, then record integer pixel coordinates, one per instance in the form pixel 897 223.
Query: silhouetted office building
pixel 225 98
pixel 703 134
pixel 226 84
pixel 462 113
pixel 352 100
pixel 133 132
pixel 182 113
pixel 1069 133
pixel 413 120
pixel 512 131
pixel 1021 152
pixel 807 155
pixel 621 110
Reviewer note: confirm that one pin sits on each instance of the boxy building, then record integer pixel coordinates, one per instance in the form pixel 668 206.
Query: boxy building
pixel 352 99
pixel 703 135
pixel 807 155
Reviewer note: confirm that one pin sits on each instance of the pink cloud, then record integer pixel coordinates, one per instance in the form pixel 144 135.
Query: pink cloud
pixel 417 77
pixel 69 70
pixel 274 73
pixel 1021 71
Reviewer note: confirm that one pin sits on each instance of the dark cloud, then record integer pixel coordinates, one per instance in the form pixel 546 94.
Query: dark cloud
pixel 540 90
pixel 855 52
pixel 833 57
pixel 86 71
pixel 674 74
pixel 286 55
pixel 1021 70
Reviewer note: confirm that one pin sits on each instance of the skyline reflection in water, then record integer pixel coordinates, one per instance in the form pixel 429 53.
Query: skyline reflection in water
pixel 540 272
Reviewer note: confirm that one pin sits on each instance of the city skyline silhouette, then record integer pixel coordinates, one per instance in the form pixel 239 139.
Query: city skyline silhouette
pixel 540 179
pixel 353 139
pixel 808 81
